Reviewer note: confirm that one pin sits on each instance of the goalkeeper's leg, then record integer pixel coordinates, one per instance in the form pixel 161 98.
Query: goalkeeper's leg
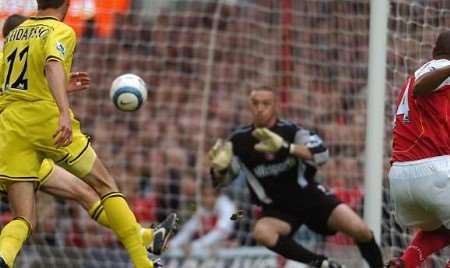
pixel 275 234
pixel 345 220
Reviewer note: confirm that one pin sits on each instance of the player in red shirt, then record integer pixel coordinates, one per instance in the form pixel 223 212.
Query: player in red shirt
pixel 419 175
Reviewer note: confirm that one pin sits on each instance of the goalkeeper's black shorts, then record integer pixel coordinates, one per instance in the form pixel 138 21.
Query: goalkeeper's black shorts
pixel 314 214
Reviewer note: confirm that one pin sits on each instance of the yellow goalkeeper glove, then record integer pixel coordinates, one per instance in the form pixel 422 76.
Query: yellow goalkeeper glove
pixel 220 155
pixel 270 142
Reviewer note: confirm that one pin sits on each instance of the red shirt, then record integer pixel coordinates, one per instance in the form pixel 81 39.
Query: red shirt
pixel 421 128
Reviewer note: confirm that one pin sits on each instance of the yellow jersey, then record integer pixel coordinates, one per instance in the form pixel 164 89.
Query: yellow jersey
pixel 1 68
pixel 26 50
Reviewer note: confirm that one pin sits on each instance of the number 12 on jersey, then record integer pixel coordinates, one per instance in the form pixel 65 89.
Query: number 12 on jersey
pixel 17 63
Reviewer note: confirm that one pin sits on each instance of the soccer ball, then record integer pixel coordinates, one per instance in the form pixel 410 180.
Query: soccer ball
pixel 128 92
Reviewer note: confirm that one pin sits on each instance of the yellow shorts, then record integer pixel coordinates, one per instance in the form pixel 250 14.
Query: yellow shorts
pixel 26 130
pixel 44 173
pixel 46 170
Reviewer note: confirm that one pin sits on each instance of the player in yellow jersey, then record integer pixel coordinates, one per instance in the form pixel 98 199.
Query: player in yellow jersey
pixel 37 61
pixel 58 182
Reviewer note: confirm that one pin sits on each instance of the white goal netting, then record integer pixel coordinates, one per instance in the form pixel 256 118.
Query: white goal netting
pixel 199 58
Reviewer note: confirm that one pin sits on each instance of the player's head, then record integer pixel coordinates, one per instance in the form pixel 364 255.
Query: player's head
pixel 12 22
pixel 61 6
pixel 442 47
pixel 263 105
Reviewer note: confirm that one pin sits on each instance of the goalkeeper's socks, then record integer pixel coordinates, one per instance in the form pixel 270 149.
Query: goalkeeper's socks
pixel 371 253
pixel 97 213
pixel 12 238
pixel 288 248
pixel 124 225
pixel 423 245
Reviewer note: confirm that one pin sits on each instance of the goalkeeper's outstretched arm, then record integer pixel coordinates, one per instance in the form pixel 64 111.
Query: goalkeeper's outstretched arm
pixel 308 146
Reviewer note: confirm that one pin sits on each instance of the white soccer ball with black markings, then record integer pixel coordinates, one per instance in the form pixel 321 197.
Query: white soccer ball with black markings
pixel 128 92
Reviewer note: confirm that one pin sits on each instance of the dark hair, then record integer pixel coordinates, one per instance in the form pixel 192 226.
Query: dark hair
pixel 12 22
pixel 44 4
pixel 442 46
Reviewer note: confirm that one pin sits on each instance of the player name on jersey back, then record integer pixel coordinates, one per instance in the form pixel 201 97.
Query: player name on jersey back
pixel 421 127
pixel 28 32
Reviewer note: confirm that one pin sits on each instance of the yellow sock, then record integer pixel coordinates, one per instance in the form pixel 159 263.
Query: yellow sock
pixel 124 225
pixel 12 238
pixel 97 212
pixel 147 236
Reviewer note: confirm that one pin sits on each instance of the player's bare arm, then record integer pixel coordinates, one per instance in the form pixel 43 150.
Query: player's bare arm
pixel 54 72
pixel 427 83
pixel 301 151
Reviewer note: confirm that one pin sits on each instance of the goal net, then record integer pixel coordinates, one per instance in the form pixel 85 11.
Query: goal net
pixel 199 58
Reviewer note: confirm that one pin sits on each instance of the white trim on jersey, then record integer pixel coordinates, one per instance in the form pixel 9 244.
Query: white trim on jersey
pixel 314 143
pixel 254 183
pixel 301 180
pixel 403 107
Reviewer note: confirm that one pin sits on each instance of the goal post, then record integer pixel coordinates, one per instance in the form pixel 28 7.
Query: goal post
pixel 376 86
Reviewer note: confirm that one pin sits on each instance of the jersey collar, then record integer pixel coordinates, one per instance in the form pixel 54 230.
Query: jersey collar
pixel 271 127
pixel 43 18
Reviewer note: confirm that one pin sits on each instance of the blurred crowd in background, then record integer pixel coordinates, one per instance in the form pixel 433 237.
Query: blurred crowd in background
pixel 193 53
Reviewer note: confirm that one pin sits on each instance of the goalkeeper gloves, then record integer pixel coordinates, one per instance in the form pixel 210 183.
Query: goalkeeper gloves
pixel 220 156
pixel 270 142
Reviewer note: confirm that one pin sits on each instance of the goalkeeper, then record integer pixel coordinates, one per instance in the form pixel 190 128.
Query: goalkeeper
pixel 58 182
pixel 279 160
